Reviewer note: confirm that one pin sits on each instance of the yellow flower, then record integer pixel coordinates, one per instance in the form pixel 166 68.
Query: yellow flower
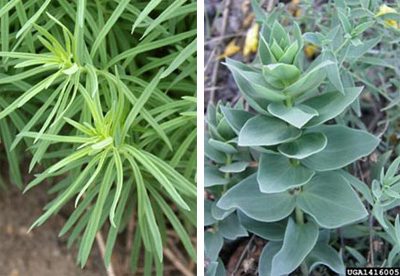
pixel 230 49
pixel 311 50
pixel 294 8
pixel 384 9
pixel 251 43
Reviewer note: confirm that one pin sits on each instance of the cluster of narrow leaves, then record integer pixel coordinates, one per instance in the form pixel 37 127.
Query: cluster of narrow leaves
pixel 103 97
pixel 281 170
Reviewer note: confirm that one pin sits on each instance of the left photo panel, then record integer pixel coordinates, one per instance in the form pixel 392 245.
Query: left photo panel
pixel 98 137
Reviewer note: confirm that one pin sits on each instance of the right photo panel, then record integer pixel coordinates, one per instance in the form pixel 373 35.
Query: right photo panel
pixel 302 135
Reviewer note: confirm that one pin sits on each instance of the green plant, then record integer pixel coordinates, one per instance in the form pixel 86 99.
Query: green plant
pixel 282 171
pixel 81 84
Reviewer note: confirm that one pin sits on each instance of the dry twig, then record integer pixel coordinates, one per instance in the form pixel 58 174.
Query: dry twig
pixel 181 267
pixel 102 247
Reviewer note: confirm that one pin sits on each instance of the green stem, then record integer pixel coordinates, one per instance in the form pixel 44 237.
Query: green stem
pixel 227 175
pixel 300 220
pixel 289 101
pixel 228 162
pixel 225 187
pixel 295 162
pixel 299 216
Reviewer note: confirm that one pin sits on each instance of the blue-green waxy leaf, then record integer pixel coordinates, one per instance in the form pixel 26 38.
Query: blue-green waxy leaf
pixel 235 167
pixel 222 146
pixel 258 11
pixel 358 51
pixel 268 253
pixel 218 213
pixel 212 153
pixel 290 53
pixel 280 75
pixel 299 240
pixel 230 228
pixel 314 38
pixel 246 196
pixel 332 71
pixel 213 243
pixel 236 118
pixel 309 81
pixel 344 20
pixel 330 200
pixel 272 231
pixel 305 146
pixel 297 116
pixel 276 50
pixel 345 145
pixel 329 105
pixel 360 186
pixel 279 33
pixel 215 268
pixel 277 174
pixel 323 254
pixel 213 177
pixel 264 52
pixel 208 218
pixel 253 86
pixel 266 131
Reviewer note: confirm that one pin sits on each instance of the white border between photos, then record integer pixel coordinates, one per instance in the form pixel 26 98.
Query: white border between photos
pixel 200 137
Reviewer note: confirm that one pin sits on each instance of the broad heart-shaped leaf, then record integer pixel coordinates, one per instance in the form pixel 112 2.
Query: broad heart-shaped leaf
pixel 268 253
pixel 305 146
pixel 345 145
pixel 277 174
pixel 218 213
pixel 272 231
pixel 331 104
pixel 213 177
pixel 236 118
pixel 231 229
pixel 330 200
pixel 247 197
pixel 297 116
pixel 266 131
pixel 299 240
pixel 253 86
pixel 323 254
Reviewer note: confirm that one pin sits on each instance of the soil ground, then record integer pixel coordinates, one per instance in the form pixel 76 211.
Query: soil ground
pixel 40 252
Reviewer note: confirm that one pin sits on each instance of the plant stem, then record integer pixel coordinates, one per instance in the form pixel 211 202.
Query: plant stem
pixel 295 162
pixel 102 247
pixel 227 175
pixel 299 216
pixel 289 101
pixel 228 162
pixel 300 220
